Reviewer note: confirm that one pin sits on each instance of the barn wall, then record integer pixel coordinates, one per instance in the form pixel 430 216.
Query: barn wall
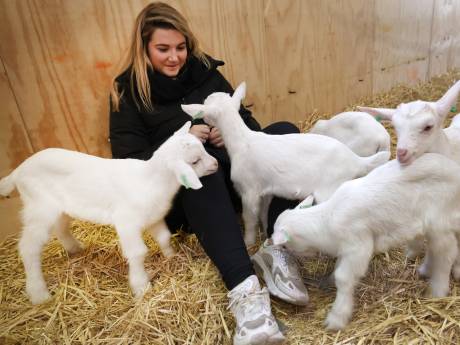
pixel 57 59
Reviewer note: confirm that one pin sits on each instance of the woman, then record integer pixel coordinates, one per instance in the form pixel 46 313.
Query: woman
pixel 164 69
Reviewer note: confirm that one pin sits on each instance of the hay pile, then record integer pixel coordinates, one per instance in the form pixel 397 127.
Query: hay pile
pixel 92 303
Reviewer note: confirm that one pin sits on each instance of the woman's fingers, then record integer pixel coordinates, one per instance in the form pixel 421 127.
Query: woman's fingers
pixel 200 131
pixel 215 138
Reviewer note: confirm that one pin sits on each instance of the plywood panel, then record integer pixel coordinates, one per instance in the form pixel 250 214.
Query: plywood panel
pixel 60 65
pixel 10 217
pixel 455 61
pixel 445 28
pixel 296 56
pixel 15 145
pixel 319 55
pixel 401 42
pixel 246 49
pixel 233 31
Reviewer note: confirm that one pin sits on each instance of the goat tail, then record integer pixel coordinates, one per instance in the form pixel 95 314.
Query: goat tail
pixel 376 160
pixel 7 185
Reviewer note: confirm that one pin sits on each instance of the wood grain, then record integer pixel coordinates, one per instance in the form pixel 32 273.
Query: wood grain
pixel 401 42
pixel 445 38
pixel 297 56
pixel 15 145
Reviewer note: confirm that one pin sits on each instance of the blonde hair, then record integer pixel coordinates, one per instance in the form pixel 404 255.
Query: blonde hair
pixel 153 16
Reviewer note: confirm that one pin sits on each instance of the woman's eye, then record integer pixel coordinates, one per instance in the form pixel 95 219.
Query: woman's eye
pixel 163 50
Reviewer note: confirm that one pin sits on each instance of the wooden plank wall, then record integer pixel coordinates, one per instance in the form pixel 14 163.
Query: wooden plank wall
pixel 57 58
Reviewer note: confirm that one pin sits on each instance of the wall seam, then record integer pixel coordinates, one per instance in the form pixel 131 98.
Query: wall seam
pixel 428 70
pixel 29 140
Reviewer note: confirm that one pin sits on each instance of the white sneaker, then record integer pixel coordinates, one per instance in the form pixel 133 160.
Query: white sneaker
pixel 255 323
pixel 280 271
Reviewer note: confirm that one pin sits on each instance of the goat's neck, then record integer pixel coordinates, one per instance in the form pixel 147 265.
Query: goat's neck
pixel 161 175
pixel 441 144
pixel 321 234
pixel 234 131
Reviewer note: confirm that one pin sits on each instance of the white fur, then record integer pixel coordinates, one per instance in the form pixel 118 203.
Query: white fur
pixel 291 166
pixel 131 194
pixel 358 130
pixel 390 206
pixel 419 128
pixel 453 135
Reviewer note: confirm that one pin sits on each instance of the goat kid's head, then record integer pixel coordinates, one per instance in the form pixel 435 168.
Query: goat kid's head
pixel 215 105
pixel 285 233
pixel 190 161
pixel 418 124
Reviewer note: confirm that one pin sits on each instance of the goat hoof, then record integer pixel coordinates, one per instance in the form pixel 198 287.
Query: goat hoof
pixel 39 297
pixel 249 241
pixel 424 271
pixel 334 322
pixel 456 272
pixel 139 292
pixel 168 252
pixel 75 249
pixel 411 254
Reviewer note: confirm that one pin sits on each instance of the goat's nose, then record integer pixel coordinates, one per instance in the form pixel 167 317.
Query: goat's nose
pixel 401 153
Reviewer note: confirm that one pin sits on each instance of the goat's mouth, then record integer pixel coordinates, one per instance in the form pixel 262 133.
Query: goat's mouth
pixel 210 171
pixel 406 160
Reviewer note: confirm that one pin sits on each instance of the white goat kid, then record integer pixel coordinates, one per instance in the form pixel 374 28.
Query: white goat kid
pixel 453 134
pixel 131 194
pixel 419 128
pixel 358 130
pixel 391 205
pixel 291 166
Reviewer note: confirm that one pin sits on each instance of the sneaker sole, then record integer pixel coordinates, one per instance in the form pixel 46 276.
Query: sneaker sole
pixel 263 271
pixel 262 339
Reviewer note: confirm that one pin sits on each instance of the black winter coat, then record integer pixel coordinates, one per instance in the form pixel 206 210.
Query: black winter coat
pixel 138 133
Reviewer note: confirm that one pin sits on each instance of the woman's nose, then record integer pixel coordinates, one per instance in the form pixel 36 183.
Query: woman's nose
pixel 173 56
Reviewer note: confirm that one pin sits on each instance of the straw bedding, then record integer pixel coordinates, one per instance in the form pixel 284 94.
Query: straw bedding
pixel 187 303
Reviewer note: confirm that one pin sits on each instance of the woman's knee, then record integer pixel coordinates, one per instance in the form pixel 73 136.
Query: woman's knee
pixel 281 127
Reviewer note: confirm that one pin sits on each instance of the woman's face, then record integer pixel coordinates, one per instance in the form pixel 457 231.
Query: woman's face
pixel 167 51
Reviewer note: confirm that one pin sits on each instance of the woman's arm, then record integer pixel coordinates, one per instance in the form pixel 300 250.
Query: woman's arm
pixel 128 133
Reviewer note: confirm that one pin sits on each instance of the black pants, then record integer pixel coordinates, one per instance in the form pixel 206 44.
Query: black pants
pixel 211 212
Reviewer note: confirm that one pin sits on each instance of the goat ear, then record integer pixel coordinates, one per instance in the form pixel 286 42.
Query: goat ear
pixel 308 202
pixel 446 102
pixel 184 129
pixel 280 237
pixel 239 95
pixel 186 176
pixel 196 111
pixel 380 114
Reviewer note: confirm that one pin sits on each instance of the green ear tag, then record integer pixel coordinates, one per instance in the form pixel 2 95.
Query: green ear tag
pixel 184 181
pixel 453 109
pixel 304 206
pixel 378 118
pixel 199 115
pixel 286 236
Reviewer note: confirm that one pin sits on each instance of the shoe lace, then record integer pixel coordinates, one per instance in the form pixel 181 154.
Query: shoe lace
pixel 244 304
pixel 285 260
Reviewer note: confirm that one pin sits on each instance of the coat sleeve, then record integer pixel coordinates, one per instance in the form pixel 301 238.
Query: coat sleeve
pixel 129 136
pixel 246 114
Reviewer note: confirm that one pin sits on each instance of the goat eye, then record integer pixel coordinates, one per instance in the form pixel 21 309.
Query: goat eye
pixel 195 162
pixel 427 128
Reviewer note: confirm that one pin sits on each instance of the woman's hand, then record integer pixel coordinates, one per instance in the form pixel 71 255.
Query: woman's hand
pixel 200 131
pixel 215 138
